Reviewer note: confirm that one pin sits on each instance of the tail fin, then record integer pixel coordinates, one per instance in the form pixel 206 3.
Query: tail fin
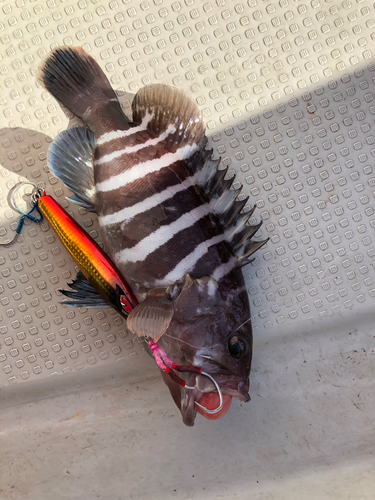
pixel 76 80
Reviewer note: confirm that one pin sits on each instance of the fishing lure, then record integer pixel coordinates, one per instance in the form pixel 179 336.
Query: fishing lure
pixel 98 273
pixel 99 283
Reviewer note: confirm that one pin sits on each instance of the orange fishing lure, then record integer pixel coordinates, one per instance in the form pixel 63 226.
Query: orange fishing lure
pixel 94 263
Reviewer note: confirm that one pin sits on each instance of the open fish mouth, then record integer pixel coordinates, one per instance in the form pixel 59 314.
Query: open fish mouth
pixel 233 387
pixel 204 396
pixel 196 390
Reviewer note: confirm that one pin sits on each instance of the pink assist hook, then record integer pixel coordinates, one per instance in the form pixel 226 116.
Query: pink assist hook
pixel 167 366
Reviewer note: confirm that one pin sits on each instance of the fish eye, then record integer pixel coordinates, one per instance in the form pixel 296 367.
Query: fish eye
pixel 237 347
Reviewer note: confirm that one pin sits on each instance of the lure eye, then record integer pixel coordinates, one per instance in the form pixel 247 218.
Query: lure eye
pixel 125 304
pixel 237 347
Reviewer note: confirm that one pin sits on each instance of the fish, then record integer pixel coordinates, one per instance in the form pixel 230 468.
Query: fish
pixel 99 280
pixel 170 219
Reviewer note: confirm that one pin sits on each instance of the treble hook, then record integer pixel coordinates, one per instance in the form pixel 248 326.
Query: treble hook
pixel 167 366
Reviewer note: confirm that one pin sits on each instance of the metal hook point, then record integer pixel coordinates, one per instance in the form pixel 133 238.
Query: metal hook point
pixel 220 396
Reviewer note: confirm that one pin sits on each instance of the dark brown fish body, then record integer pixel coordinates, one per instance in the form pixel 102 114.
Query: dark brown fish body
pixel 168 219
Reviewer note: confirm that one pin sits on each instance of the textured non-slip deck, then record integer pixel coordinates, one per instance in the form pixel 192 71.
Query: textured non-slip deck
pixel 287 90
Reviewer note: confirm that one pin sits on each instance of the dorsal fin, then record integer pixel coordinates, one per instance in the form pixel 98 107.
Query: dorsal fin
pixel 234 210
pixel 222 187
pixel 215 180
pixel 222 203
pixel 248 248
pixel 167 110
pixel 227 207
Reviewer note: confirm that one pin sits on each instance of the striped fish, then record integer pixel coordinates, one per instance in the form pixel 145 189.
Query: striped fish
pixel 169 220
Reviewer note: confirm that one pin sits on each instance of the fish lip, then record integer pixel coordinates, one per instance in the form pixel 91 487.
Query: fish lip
pixel 233 385
pixel 243 391
pixel 239 392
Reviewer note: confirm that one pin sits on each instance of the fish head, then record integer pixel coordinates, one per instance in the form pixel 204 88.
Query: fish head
pixel 210 329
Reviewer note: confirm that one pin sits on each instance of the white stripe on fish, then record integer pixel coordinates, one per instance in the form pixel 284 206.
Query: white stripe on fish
pixel 119 134
pixel 133 149
pixel 224 269
pixel 142 169
pixel 128 213
pixel 187 264
pixel 163 234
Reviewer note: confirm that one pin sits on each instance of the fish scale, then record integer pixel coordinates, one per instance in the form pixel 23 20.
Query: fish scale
pixel 169 243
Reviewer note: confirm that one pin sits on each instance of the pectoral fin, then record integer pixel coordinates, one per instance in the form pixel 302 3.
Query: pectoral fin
pixel 70 159
pixel 152 317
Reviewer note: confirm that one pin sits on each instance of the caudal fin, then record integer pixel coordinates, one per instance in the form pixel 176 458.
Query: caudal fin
pixel 76 80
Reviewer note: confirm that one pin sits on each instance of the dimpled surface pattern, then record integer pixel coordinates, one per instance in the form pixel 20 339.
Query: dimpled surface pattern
pixel 287 93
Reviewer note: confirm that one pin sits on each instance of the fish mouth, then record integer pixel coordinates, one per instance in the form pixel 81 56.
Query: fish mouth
pixel 186 399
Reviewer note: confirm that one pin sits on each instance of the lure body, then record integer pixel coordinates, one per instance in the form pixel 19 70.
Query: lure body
pixel 94 263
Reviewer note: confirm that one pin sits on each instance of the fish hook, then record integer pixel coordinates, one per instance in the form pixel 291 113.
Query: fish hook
pixel 35 196
pixel 167 366
pixel 219 392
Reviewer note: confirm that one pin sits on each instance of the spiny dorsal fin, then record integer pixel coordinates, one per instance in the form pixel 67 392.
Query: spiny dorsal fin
pixel 222 187
pixel 199 159
pixel 227 207
pixel 70 158
pixel 234 210
pixel 167 110
pixel 248 249
pixel 247 233
pixel 223 203
pixel 206 169
pixel 214 181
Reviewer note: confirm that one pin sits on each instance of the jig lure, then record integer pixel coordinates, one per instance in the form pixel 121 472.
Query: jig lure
pixel 97 269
